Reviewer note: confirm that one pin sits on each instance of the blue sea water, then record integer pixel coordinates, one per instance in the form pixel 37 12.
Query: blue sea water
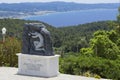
pixel 60 19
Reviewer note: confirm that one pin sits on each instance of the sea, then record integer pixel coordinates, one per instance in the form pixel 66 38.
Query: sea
pixel 71 18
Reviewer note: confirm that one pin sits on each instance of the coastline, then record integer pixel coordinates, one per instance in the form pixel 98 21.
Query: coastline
pixel 29 14
pixel 21 15
pixel 39 13
pixel 36 13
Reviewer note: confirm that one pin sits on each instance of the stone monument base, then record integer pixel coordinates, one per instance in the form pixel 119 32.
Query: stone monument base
pixel 36 65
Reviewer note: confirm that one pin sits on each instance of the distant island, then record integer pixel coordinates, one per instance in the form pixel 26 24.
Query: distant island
pixel 18 10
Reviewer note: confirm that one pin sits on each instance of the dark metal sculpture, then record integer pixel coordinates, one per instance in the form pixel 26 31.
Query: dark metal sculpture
pixel 36 40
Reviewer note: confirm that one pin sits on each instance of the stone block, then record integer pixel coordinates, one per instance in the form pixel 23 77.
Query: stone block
pixel 36 65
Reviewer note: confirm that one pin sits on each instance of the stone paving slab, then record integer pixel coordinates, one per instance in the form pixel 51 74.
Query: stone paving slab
pixel 8 73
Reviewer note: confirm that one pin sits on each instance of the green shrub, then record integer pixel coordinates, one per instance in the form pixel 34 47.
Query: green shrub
pixel 87 74
pixel 8 51
pixel 104 47
pixel 97 76
pixel 79 65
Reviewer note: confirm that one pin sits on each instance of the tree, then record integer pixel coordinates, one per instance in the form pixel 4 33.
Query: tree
pixel 104 47
pixel 118 21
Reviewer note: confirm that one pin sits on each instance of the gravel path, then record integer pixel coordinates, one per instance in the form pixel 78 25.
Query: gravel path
pixel 8 73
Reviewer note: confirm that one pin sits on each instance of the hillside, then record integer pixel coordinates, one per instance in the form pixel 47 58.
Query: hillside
pixel 98 57
pixel 54 6
pixel 14 26
pixel 66 38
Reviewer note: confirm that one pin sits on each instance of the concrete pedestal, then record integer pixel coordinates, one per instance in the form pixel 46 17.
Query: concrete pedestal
pixel 35 65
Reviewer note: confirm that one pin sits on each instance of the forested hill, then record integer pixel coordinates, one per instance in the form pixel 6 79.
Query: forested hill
pixel 54 6
pixel 98 57
pixel 70 38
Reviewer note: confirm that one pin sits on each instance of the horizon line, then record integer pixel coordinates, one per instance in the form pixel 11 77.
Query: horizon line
pixel 59 2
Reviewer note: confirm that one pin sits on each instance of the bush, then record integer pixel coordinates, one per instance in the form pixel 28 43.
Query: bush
pixel 97 76
pixel 79 65
pixel 86 52
pixel 104 47
pixel 8 51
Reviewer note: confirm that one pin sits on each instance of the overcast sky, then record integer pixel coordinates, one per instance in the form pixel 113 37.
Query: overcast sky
pixel 79 1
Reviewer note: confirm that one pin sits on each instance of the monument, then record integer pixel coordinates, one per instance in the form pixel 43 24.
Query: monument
pixel 37 57
pixel 37 40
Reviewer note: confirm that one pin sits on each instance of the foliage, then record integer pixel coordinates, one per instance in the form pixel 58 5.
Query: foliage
pixel 8 51
pixel 74 38
pixel 103 46
pixel 90 66
pixel 98 57
pixel 86 51
pixel 101 58
pixel 97 76
pixel 67 39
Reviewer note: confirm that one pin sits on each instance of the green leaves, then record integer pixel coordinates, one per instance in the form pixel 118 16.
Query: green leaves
pixel 8 51
pixel 86 52
pixel 103 44
pixel 81 65
pixel 104 47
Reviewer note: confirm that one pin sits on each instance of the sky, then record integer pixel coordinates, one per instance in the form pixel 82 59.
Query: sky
pixel 78 1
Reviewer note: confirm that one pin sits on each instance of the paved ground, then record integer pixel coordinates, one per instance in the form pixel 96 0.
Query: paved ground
pixel 8 73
